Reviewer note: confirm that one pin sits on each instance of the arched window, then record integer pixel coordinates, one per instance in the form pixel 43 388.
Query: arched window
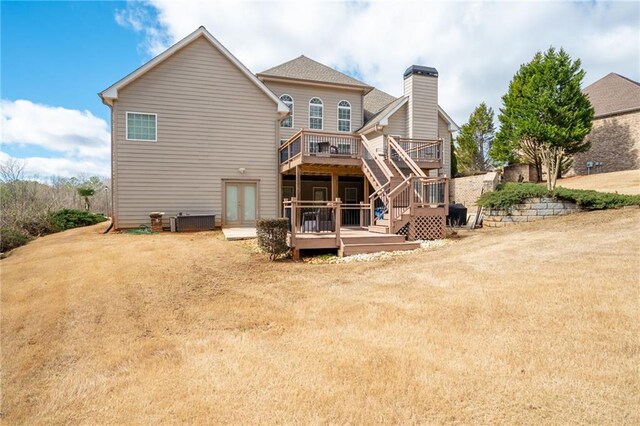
pixel 315 114
pixel 344 116
pixel 287 122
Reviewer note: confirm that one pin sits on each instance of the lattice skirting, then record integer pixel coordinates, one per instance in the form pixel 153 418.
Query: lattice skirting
pixel 425 228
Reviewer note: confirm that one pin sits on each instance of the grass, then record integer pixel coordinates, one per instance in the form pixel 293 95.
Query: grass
pixel 527 325
pixel 625 182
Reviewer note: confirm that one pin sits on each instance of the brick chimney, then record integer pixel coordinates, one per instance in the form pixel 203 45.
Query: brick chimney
pixel 421 85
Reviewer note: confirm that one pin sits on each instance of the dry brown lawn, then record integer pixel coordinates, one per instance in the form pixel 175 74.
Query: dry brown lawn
pixel 626 182
pixel 527 325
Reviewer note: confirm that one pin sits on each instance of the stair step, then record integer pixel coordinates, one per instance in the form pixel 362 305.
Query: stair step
pixel 350 249
pixel 374 239
pixel 378 229
pixel 383 222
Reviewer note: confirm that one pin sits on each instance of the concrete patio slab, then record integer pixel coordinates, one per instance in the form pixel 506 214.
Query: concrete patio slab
pixel 234 234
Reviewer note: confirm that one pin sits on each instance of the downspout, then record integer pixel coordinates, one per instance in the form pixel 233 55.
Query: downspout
pixel 278 176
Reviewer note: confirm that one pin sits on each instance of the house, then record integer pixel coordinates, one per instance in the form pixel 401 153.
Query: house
pixel 194 131
pixel 615 137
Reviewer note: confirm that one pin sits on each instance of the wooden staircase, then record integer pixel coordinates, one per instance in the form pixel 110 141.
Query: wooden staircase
pixel 401 187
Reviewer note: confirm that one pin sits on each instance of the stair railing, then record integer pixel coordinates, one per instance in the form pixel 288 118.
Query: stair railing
pixel 378 201
pixel 369 153
pixel 399 201
pixel 406 158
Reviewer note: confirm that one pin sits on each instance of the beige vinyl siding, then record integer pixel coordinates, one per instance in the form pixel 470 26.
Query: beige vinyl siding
pixel 376 140
pixel 398 122
pixel 212 120
pixel 330 97
pixel 444 133
pixel 422 113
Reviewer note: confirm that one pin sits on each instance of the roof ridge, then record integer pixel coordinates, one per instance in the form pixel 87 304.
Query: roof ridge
pixel 626 78
pixel 332 69
pixel 284 63
pixel 295 69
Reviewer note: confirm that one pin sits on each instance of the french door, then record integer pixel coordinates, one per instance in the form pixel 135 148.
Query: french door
pixel 241 203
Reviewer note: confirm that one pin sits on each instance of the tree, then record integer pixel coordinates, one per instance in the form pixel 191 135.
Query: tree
pixel 475 140
pixel 454 159
pixel 545 116
pixel 86 192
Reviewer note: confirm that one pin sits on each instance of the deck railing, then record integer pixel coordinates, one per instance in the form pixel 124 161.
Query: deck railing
pixel 355 215
pixel 291 148
pixel 321 144
pixel 422 149
pixel 324 218
pixel 417 192
pixel 417 149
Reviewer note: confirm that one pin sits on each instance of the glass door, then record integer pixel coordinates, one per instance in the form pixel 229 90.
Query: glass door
pixel 240 204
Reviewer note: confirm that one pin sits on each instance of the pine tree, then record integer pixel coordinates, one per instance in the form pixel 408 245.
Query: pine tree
pixel 545 116
pixel 454 159
pixel 475 140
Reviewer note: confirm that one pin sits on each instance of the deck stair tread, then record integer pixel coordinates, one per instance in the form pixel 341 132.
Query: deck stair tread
pixel 378 229
pixel 350 249
pixel 374 239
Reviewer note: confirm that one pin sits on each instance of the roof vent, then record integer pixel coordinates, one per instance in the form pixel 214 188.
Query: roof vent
pixel 420 70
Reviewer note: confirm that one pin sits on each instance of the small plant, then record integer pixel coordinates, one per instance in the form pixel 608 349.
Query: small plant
pixel 515 193
pixel 272 236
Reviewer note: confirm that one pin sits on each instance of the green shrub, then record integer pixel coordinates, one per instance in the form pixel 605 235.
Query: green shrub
pixel 272 236
pixel 39 225
pixel 512 193
pixel 11 237
pixel 67 219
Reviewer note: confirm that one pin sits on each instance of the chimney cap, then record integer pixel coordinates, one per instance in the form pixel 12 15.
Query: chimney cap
pixel 421 70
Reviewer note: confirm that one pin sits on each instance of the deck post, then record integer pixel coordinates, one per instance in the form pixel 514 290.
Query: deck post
pixel 365 181
pixel 294 220
pixel 446 195
pixel 298 184
pixel 334 185
pixel 412 195
pixel 361 214
pixel 338 220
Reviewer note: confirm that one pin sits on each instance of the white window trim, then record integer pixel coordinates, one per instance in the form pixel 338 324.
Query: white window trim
pixel 338 116
pixel 126 126
pixel 292 109
pixel 321 118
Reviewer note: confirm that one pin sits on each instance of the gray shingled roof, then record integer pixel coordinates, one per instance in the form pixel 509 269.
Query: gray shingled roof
pixel 386 110
pixel 374 102
pixel 613 94
pixel 303 68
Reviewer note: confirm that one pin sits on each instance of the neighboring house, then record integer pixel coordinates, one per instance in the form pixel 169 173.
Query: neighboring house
pixel 615 137
pixel 194 131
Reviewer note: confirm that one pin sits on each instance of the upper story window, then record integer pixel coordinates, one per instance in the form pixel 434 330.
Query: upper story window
pixel 287 122
pixel 344 116
pixel 141 126
pixel 315 114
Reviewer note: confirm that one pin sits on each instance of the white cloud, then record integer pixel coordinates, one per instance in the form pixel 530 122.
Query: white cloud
pixel 75 142
pixel 57 129
pixel 477 47
pixel 43 168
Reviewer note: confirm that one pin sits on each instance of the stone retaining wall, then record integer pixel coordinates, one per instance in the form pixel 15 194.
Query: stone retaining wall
pixel 531 210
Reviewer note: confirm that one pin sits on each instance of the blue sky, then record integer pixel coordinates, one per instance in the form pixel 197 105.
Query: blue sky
pixel 61 54
pixel 56 56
